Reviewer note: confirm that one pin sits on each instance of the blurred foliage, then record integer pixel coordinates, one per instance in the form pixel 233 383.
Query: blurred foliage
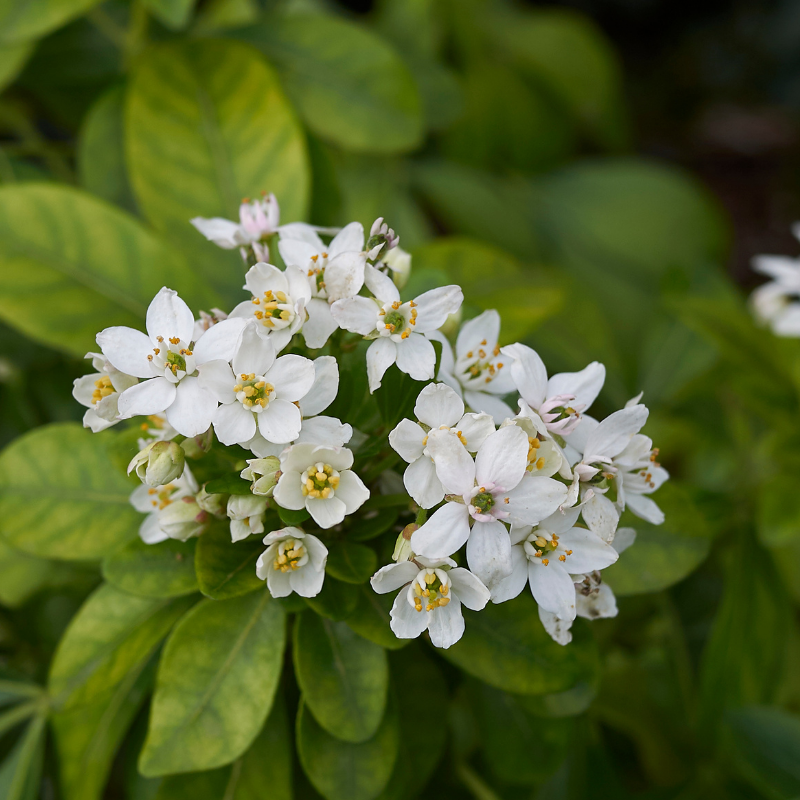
pixel 496 138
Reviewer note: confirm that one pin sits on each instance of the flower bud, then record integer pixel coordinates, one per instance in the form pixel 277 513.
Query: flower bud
pixel 451 324
pixel 159 463
pixel 399 262
pixel 212 503
pixel 264 473
pixel 402 547
pixel 197 446
pixel 183 519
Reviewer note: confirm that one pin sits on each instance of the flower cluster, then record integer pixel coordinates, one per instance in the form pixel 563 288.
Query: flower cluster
pixel 507 481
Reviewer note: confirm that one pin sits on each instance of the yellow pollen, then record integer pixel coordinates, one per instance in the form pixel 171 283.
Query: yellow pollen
pixel 545 561
pixel 149 358
pixel 412 304
pixel 314 259
pixel 159 338
pixel 568 552
pixel 483 342
pixel 562 558
pixel 539 463
pixel 405 334
pixel 396 305
pixel 174 340
pixel 281 296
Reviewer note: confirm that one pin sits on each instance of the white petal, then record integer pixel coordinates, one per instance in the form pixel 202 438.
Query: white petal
pixel 223 232
pixel 434 306
pixel 614 433
pixel 475 429
pixel 489 552
pixel 83 389
pixel 406 621
pixel 278 583
pixel 578 438
pixel 217 378
pixel 487 404
pixel 381 354
pixel 437 405
pixel 598 605
pixel 150 531
pixel 382 286
pixel 349 238
pixel 288 493
pixel 325 387
pixel 149 397
pixel 454 465
pixel 559 629
pixel 471 592
pixel 292 376
pixel 502 458
pixel 190 414
pixel 96 423
pixel 393 576
pixel 219 341
pixel 602 517
pixel 307 581
pixel 327 431
pixel 169 316
pixel 406 440
pixel 320 323
pixel 446 625
pixel 280 422
pixel 254 354
pixel 624 538
pixel 263 277
pixel 344 275
pixel 552 588
pixel 297 252
pixel 356 314
pixel 485 326
pixel 529 373
pixel 534 499
pixel 297 281
pixel 233 424
pixel 416 357
pixel 645 508
pixel 512 585
pixel 317 551
pixel 422 483
pixel 326 513
pixel 351 491
pixel 444 533
pixel 584 385
pixel 589 551
pixel 561 521
pixel 447 363
pixel 127 349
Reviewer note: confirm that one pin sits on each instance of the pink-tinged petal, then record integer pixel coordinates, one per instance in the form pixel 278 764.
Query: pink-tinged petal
pixel 553 588
pixel 216 377
pixel 149 397
pixel 219 341
pixel 559 629
pixel 254 354
pixel 280 422
pixel 602 517
pixel 446 625
pixel 489 552
pixel 416 357
pixel 350 238
pixel 485 403
pixel 444 533
pixel 471 592
pixel 423 484
pixel 406 621
pixel 326 513
pixel 356 314
pixel 382 286
pixel 584 385
pixel 127 350
pixel 406 440
pixel 233 424
pixel 485 326
pixel 589 551
pixel 325 387
pixel 454 465
pixel 512 585
pixel 393 576
pixel 344 275
pixel 320 324
pixel 534 499
pixel 288 493
pixel 292 376
pixel 190 414
pixel 438 405
pixel 307 581
pixel 529 373
pixel 381 354
pixel 614 433
pixel 502 458
pixel 169 316
pixel 351 491
pixel 434 306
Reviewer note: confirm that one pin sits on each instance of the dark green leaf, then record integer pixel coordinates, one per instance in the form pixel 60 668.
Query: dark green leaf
pixel 229 484
pixel 23 21
pixel 372 524
pixel 336 601
pixel 293 518
pixel 21 772
pixel 224 568
pixel 351 562
pixel 371 619
pixel 165 569
pixel 175 14
pixel 12 60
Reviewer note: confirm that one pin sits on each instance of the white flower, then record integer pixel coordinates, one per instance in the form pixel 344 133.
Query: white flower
pixel 594 599
pixel 260 391
pixel 262 472
pixel 207 321
pixel 246 513
pixel 438 407
pixel 395 326
pixel 777 303
pixel 601 445
pixel 430 598
pixel 294 561
pixel 547 555
pixel 168 359
pixel 335 271
pixel 258 219
pixel 278 303
pixel 399 262
pixel 639 474
pixel 100 391
pixel 493 487
pixel 478 371
pixel 559 400
pixel 545 456
pixel 320 480
pixel 172 511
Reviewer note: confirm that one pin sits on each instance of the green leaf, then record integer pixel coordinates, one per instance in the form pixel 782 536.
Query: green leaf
pixel 175 14
pixel 12 60
pixel 396 396
pixel 34 18
pixel 208 785
pixel 216 682
pixel 12 691
pixel 22 575
pixel 229 484
pixel 165 569
pixel 343 677
pixel 336 601
pixel 351 562
pixel 293 518
pixel 101 156
pixel 766 745
pixel 60 499
pixel 21 772
pixel 371 619
pixel 113 634
pixel 372 524
pixel 227 569
pixel 206 125
pixel 507 647
pixel 349 85
pixel 100 265
pixel 10 718
pixel 342 770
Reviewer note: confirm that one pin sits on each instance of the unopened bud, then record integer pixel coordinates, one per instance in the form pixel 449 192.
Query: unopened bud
pixel 399 262
pixel 159 463
pixel 402 548
pixel 196 446
pixel 213 503
pixel 451 324
pixel 183 519
pixel 381 240
pixel 264 474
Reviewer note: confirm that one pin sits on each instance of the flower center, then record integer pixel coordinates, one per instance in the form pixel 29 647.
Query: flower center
pixel 275 310
pixel 535 461
pixel 538 545
pixel 317 273
pixel 431 588
pixel 160 497
pixel 477 366
pixel 291 555
pixel 172 358
pixel 483 501
pixel 103 388
pixel 319 481
pixel 398 319
pixel 253 392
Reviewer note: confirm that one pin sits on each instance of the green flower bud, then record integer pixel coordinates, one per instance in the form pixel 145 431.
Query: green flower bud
pixel 264 473
pixel 183 519
pixel 197 446
pixel 212 503
pixel 159 463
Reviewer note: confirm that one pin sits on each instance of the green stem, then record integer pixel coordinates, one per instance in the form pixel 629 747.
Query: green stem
pixel 422 516
pixel 474 784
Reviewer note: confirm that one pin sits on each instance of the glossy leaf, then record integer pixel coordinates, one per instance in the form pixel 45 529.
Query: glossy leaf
pixel 216 682
pixel 22 575
pixel 352 562
pixel 336 601
pixel 175 14
pixel 343 677
pixel 224 568
pixel 75 507
pixel 371 619
pixel 102 265
pixel 344 771
pixel 165 569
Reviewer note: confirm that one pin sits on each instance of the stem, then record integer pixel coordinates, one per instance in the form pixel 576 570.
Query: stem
pixel 422 516
pixel 136 35
pixel 474 784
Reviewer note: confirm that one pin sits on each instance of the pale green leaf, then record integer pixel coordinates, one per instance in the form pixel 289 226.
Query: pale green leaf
pixel 165 569
pixel 12 60
pixel 175 14
pixel 22 575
